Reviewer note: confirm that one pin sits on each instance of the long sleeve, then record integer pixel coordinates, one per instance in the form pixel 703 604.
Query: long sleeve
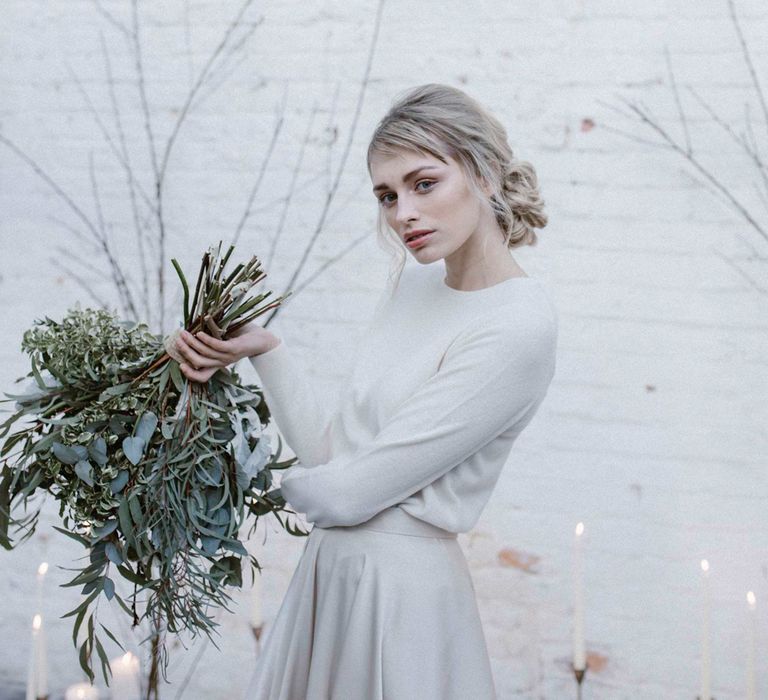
pixel 492 376
pixel 303 416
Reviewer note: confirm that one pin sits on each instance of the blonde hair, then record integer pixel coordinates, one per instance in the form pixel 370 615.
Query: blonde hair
pixel 442 120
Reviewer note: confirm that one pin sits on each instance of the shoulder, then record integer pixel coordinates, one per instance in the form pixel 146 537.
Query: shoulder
pixel 524 326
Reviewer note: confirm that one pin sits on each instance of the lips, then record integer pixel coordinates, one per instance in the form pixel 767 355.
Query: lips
pixel 411 234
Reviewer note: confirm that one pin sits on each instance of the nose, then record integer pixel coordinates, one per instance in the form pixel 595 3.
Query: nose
pixel 406 210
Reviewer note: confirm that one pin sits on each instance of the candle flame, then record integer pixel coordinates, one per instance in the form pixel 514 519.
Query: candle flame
pixel 42 569
pixel 37 622
pixel 127 658
pixel 704 565
pixel 579 529
pixel 751 599
pixel 80 693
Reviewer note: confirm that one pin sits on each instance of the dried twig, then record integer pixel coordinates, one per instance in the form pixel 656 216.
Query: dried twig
pixel 132 183
pixel 294 177
pixel 263 169
pixel 345 154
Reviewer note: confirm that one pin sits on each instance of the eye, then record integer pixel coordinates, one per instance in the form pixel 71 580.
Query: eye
pixel 386 202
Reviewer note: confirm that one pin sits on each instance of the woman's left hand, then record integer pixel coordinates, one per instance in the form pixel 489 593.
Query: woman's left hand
pixel 205 355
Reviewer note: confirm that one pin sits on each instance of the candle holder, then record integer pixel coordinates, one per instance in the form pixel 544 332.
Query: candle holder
pixel 579 673
pixel 711 697
pixel 257 636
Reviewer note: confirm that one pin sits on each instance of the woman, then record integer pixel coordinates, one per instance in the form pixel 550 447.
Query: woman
pixel 453 366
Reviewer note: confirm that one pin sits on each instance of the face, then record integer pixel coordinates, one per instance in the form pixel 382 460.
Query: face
pixel 419 192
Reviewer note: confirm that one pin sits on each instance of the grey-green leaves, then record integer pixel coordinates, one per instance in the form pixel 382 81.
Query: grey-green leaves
pixel 155 475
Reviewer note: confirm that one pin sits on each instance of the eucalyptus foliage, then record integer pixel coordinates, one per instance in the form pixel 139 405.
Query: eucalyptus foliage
pixel 154 474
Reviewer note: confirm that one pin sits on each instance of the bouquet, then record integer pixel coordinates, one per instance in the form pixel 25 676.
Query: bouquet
pixel 154 475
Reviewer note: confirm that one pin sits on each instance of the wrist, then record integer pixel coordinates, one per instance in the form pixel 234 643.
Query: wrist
pixel 270 344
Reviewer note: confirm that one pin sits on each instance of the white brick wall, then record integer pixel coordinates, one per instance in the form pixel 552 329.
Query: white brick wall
pixel 662 477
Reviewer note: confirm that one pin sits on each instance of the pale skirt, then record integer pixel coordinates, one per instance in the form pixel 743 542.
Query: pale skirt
pixel 384 610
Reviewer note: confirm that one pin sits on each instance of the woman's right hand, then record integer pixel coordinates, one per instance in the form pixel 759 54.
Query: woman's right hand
pixel 205 354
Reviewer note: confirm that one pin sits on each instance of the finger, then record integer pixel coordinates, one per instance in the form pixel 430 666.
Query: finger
pixel 197 361
pixel 205 350
pixel 197 375
pixel 210 341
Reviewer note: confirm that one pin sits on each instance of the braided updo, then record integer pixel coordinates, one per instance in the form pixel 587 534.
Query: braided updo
pixel 442 120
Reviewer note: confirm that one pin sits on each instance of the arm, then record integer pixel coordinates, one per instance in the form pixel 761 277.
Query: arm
pixel 304 417
pixel 490 378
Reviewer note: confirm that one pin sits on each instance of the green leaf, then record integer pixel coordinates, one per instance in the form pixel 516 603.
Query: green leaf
pixel 98 533
pixel 78 622
pixel 83 604
pixel 98 451
pixel 117 484
pixel 134 449
pixel 78 538
pixel 109 587
pixel 234 546
pixel 84 470
pixel 112 637
pixel 113 553
pixel 65 454
pixel 185 287
pixel 104 660
pixel 131 575
pixel 83 658
pixel 146 426
pixel 176 376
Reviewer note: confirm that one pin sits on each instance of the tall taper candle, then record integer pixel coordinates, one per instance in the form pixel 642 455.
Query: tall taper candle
pixel 705 636
pixel 125 677
pixel 37 677
pixel 41 571
pixel 81 691
pixel 751 644
pixel 257 617
pixel 579 654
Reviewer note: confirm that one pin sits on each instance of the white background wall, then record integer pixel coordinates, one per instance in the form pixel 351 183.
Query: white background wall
pixel 654 430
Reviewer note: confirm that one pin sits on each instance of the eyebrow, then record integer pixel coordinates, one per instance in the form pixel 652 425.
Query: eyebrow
pixel 408 176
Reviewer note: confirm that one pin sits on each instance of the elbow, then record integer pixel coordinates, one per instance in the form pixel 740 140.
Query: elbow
pixel 329 516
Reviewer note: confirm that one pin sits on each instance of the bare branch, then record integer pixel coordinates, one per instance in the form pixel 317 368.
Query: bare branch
pixel 221 68
pixel 257 184
pixel 131 182
pixel 748 60
pixel 160 270
pixel 332 192
pixel 654 125
pixel 79 260
pixel 117 273
pixel 80 281
pixel 295 175
pixel 200 80
pixel 76 233
pixel 329 262
pixel 681 112
pixel 53 185
pixel 752 283
pixel 112 19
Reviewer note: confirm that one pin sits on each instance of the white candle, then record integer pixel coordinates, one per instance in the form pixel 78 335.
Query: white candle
pixel 81 691
pixel 751 643
pixel 124 684
pixel 705 633
pixel 579 654
pixel 37 677
pixel 41 571
pixel 257 617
